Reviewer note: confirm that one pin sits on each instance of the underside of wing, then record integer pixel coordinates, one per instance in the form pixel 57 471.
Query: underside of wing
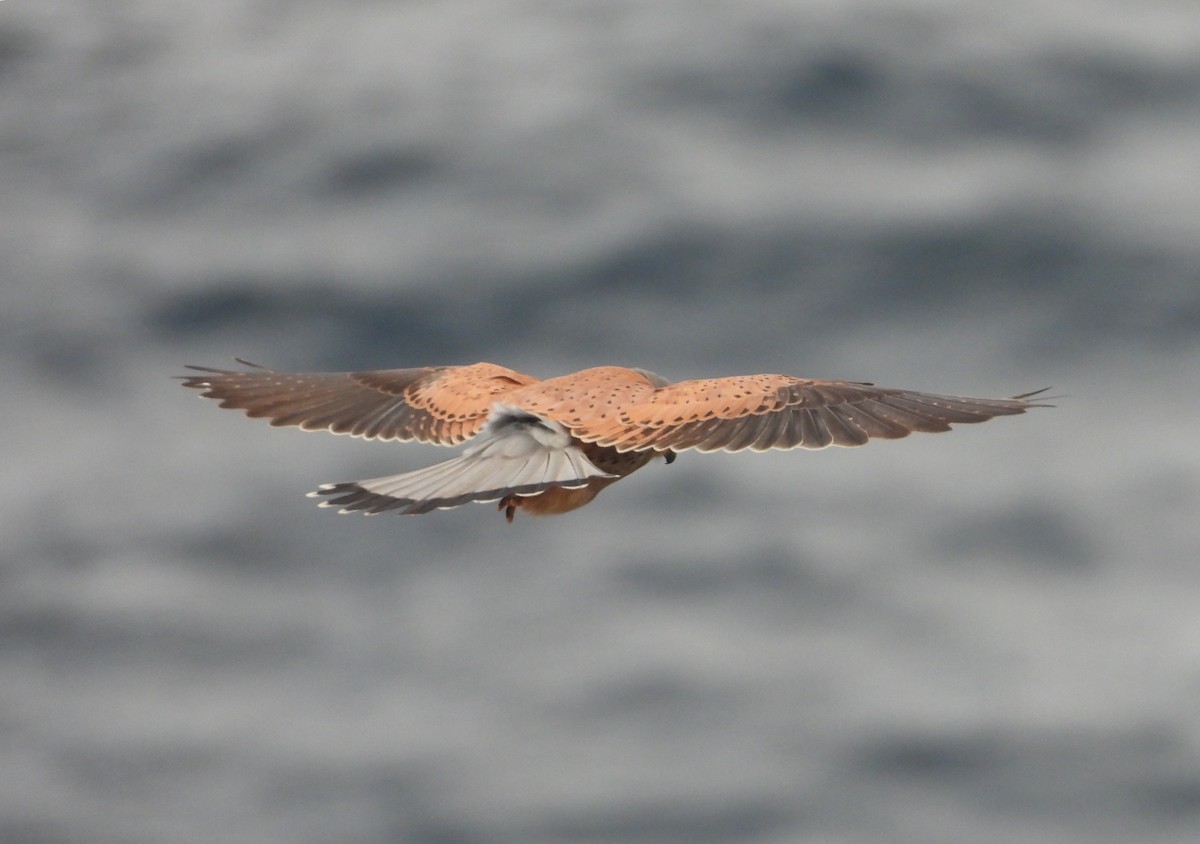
pixel 438 405
pixel 762 412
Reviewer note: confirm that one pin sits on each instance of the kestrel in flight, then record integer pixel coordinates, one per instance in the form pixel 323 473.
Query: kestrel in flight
pixel 550 446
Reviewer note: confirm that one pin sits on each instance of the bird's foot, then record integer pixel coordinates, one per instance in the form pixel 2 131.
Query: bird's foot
pixel 509 505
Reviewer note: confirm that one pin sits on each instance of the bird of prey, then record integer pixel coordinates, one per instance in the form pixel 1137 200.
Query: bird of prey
pixel 549 446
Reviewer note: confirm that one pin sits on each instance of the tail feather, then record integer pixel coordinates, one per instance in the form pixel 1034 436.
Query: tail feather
pixel 462 480
pixel 411 484
pixel 516 454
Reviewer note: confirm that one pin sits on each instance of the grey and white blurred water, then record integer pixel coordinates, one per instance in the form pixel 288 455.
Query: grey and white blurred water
pixel 986 636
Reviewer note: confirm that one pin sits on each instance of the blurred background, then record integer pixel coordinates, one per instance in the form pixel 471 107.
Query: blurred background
pixel 988 636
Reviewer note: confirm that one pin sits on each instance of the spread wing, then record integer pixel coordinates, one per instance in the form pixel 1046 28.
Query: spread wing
pixel 762 412
pixel 443 405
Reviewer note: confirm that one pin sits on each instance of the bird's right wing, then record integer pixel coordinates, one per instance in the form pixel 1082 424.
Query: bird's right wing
pixel 762 412
pixel 442 405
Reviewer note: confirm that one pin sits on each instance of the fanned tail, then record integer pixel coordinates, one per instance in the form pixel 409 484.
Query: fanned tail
pixel 509 459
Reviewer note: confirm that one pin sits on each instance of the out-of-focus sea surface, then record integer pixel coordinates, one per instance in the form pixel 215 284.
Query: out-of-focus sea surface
pixel 985 636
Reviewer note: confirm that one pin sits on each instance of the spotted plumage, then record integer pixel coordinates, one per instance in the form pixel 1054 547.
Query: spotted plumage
pixel 549 446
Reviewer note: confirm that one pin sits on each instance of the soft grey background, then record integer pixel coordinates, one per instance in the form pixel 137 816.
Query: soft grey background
pixel 986 636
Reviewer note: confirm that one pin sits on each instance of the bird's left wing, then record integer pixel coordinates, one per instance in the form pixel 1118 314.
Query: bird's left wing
pixel 762 412
pixel 442 405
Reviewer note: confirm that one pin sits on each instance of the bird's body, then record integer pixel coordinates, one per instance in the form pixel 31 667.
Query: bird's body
pixel 551 446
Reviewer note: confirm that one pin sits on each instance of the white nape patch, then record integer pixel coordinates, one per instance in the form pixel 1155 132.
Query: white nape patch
pixel 653 377
pixel 513 432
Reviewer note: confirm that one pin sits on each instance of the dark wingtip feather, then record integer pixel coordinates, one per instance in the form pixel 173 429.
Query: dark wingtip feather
pixel 197 381
pixel 253 365
pixel 1025 397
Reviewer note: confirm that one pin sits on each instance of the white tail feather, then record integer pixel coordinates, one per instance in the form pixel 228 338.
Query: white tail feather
pixel 516 454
